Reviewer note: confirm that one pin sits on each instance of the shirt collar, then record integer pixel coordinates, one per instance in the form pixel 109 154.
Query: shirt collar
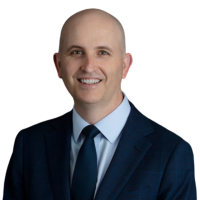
pixel 110 126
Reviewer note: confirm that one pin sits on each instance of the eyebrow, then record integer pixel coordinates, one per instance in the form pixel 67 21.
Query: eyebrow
pixel 98 47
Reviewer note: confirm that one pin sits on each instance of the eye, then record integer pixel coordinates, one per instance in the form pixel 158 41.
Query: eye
pixel 103 53
pixel 76 52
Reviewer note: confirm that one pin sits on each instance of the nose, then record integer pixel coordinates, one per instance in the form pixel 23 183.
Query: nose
pixel 89 63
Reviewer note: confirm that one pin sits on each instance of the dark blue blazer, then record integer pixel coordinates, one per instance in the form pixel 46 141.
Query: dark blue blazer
pixel 150 163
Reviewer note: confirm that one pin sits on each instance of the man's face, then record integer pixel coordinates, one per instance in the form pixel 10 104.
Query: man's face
pixel 91 49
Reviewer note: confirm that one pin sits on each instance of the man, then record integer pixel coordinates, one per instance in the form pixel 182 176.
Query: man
pixel 104 148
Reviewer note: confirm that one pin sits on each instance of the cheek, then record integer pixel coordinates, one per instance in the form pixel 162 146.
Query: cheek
pixel 115 72
pixel 113 76
pixel 68 71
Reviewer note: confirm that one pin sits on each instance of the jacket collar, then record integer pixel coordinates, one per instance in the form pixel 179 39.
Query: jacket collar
pixel 132 147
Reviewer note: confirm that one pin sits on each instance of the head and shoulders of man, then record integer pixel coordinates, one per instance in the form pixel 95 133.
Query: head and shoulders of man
pixel 92 47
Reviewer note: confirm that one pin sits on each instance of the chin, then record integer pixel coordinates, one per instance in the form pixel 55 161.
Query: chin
pixel 88 99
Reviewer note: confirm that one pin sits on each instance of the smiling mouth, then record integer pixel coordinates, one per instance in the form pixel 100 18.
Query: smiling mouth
pixel 89 81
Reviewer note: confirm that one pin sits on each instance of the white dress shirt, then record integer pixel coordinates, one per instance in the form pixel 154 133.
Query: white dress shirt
pixel 106 141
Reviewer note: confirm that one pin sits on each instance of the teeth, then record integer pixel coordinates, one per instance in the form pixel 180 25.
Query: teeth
pixel 89 81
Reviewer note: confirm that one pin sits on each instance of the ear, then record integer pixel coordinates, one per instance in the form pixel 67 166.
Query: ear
pixel 126 64
pixel 56 59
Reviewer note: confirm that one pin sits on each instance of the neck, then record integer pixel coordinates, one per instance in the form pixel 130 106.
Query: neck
pixel 95 112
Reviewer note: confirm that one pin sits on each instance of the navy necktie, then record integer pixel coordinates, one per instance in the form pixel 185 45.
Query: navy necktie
pixel 85 171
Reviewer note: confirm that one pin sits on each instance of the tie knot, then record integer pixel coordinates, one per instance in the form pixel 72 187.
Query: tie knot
pixel 90 131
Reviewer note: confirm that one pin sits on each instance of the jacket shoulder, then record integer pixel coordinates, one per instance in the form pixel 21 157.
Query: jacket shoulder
pixel 44 127
pixel 166 139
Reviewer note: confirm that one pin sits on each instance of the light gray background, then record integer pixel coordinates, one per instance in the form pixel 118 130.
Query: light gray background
pixel 163 81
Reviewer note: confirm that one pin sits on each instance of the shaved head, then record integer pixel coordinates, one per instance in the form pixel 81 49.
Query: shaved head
pixel 92 48
pixel 95 16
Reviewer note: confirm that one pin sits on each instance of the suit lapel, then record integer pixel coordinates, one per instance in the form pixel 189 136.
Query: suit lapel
pixel 131 149
pixel 58 145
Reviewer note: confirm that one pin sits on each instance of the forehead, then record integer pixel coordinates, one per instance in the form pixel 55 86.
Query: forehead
pixel 91 30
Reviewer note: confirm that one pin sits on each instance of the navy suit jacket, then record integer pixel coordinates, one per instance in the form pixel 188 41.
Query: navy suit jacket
pixel 150 163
